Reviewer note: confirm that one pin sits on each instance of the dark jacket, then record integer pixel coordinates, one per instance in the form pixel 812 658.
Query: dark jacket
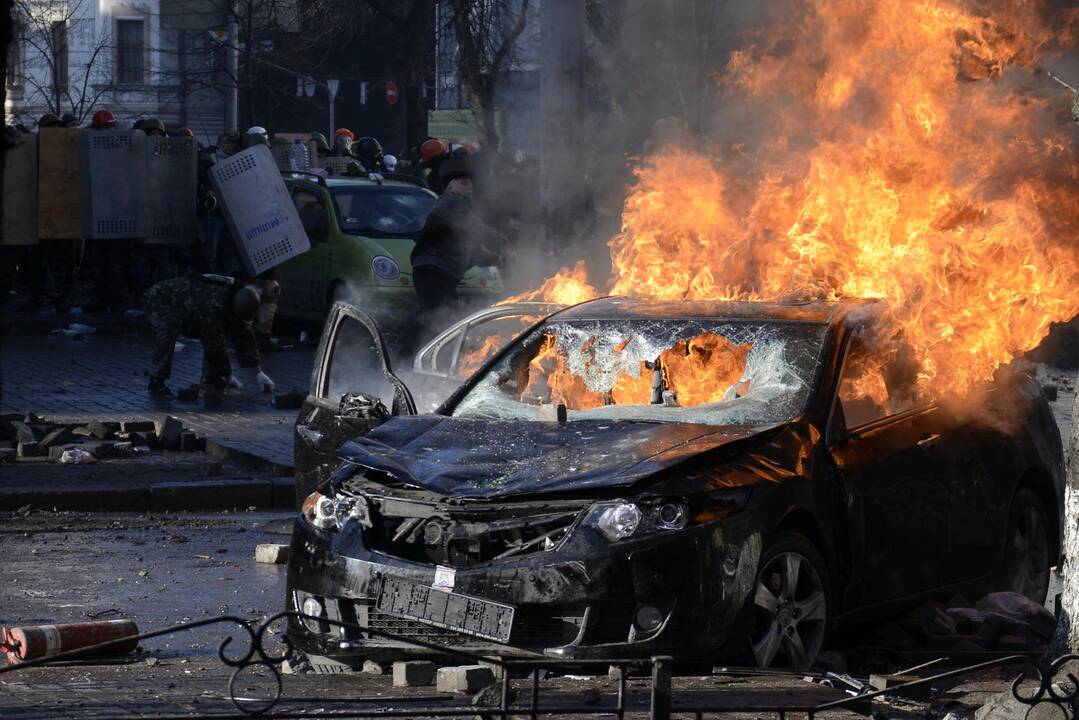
pixel 454 239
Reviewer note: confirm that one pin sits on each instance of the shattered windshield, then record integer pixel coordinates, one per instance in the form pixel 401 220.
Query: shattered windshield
pixel 717 372
pixel 382 210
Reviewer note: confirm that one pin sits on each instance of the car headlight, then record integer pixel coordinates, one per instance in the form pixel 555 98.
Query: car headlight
pixel 332 513
pixel 671 515
pixel 385 267
pixel 615 521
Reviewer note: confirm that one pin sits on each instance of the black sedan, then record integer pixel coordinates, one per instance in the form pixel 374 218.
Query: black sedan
pixel 624 479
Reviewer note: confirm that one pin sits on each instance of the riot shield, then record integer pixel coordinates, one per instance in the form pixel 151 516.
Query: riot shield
pixel 18 225
pixel 114 201
pixel 173 184
pixel 59 214
pixel 257 206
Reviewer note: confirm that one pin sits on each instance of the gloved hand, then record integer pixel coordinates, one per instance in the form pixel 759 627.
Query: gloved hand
pixel 264 381
pixel 234 382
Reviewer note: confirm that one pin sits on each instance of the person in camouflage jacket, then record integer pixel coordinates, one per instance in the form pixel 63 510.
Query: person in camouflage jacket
pixel 216 310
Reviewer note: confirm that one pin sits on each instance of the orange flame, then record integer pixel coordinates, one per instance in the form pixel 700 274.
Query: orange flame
pixel 908 154
pixel 471 361
pixel 699 370
pixel 567 287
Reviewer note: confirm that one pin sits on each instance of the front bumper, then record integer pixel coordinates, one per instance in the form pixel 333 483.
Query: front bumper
pixel 577 601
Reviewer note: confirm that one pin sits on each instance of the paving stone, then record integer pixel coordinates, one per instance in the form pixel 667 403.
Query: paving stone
pixel 413 673
pixel 168 433
pixel 273 554
pixel 134 426
pixel 59 436
pixel 190 442
pixel 370 667
pixel 30 449
pixel 101 430
pixel 466 679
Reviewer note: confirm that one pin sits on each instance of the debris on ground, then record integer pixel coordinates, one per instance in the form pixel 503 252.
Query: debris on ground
pixel 1002 621
pixel 463 679
pixel 27 437
pixel 77 456
pixel 413 673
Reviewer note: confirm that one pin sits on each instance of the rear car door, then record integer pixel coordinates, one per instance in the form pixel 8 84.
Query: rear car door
pixel 896 498
pixel 353 390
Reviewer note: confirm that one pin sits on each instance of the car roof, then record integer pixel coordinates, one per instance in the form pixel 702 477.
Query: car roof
pixel 809 311
pixel 339 181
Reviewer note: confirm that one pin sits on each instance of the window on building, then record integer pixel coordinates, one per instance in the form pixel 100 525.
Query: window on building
pixel 59 54
pixel 130 48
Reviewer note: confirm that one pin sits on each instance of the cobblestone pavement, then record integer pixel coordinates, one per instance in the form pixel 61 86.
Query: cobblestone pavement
pixel 105 377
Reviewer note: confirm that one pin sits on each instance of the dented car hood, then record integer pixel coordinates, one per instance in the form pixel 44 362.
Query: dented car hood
pixel 490 458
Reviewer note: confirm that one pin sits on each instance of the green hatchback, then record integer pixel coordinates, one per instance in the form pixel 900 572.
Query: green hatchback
pixel 362 232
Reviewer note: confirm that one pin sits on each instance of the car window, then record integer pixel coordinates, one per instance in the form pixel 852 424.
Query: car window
pixel 312 214
pixel 654 370
pixel 382 210
pixel 485 338
pixel 877 380
pixel 354 365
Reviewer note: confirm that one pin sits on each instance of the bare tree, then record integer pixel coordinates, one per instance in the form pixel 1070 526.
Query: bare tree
pixel 41 31
pixel 486 32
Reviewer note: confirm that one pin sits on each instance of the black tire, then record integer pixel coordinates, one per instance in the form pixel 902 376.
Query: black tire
pixel 1026 556
pixel 789 624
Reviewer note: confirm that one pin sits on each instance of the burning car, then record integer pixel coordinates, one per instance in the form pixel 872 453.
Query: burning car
pixel 628 478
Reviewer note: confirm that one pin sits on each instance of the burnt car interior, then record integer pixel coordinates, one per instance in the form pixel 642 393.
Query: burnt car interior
pixel 745 373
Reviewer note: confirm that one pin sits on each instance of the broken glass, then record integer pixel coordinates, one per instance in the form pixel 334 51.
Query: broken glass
pixel 717 372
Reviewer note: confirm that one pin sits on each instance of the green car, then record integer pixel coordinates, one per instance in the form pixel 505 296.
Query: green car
pixel 362 232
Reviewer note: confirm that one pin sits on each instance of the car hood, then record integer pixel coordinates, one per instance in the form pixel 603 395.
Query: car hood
pixel 491 458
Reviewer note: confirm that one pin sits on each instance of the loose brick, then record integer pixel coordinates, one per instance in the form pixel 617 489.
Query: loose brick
pixel 59 436
pixel 30 449
pixel 465 679
pixel 168 433
pixel 272 554
pixel 100 430
pixel 134 426
pixel 413 673
pixel 190 442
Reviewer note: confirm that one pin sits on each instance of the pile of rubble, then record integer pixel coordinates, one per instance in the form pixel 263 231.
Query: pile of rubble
pixel 29 438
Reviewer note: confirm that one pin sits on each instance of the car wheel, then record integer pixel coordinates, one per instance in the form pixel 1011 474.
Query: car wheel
pixel 1026 560
pixel 790 604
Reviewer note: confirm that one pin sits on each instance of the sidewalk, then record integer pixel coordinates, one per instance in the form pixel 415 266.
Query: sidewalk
pixel 104 376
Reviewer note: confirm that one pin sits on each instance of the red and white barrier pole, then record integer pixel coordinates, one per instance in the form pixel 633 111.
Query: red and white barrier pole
pixel 30 642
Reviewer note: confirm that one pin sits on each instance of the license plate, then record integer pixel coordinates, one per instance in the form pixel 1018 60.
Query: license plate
pixel 453 611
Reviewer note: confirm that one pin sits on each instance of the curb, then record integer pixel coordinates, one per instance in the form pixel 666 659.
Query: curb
pixel 273 493
pixel 248 459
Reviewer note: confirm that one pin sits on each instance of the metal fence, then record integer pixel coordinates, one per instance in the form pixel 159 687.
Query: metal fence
pixel 1064 694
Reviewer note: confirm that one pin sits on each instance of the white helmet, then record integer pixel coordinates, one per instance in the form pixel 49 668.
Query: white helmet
pixel 256 130
pixel 390 161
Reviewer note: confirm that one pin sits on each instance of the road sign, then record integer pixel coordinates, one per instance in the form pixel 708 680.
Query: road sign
pixel 391 92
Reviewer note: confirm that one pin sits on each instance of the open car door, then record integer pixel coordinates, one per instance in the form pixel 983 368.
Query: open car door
pixel 353 390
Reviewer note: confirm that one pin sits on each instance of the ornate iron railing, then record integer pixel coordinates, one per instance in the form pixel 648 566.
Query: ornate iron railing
pixel 258 654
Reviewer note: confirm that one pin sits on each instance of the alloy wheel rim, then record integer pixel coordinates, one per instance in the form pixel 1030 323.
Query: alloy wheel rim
pixel 790 612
